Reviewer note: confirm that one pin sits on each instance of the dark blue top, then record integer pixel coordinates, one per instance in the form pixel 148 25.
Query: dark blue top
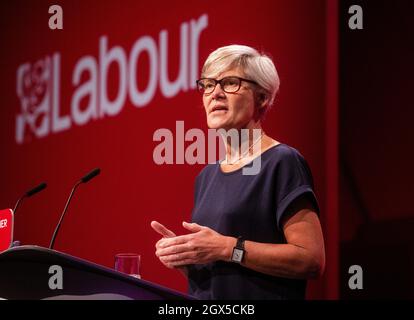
pixel 250 206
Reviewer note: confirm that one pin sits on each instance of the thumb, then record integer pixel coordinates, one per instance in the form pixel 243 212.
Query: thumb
pixel 162 230
pixel 193 227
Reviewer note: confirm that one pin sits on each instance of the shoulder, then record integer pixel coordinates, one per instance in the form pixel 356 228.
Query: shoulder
pixel 207 171
pixel 283 154
pixel 289 164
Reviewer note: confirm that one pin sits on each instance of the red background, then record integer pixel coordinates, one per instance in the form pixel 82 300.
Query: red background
pixel 112 213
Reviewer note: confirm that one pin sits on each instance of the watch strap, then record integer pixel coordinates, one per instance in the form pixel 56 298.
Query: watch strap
pixel 240 243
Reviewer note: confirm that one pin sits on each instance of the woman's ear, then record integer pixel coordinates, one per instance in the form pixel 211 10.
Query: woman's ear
pixel 262 100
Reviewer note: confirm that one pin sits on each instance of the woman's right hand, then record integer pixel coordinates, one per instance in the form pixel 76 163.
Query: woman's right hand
pixel 166 233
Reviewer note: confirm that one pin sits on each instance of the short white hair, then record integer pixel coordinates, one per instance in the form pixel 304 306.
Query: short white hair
pixel 256 66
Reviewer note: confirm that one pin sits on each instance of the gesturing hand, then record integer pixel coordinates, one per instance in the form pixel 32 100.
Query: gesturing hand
pixel 201 246
pixel 166 233
pixel 162 230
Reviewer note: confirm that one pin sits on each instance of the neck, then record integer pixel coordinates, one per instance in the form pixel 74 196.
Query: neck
pixel 242 142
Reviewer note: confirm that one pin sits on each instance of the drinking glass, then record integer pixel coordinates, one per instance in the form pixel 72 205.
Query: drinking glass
pixel 128 263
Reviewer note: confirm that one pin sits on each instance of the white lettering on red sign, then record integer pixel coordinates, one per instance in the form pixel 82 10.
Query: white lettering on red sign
pixel 38 84
pixel 3 223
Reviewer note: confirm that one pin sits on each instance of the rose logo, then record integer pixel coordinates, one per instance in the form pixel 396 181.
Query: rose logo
pixel 33 89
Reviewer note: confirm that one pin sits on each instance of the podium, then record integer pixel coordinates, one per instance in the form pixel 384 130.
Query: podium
pixel 24 274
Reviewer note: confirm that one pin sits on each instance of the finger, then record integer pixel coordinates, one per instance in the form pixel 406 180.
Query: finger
pixel 193 227
pixel 162 230
pixel 180 263
pixel 168 265
pixel 172 250
pixel 167 242
pixel 158 244
pixel 178 257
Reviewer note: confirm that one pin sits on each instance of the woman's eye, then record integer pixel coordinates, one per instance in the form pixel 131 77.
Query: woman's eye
pixel 230 82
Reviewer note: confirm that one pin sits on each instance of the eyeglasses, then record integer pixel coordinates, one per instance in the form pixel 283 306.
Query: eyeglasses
pixel 227 84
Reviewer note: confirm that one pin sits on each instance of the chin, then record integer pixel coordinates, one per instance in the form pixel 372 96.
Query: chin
pixel 216 124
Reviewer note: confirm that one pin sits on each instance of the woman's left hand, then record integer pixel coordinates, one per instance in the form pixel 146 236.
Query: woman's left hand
pixel 201 246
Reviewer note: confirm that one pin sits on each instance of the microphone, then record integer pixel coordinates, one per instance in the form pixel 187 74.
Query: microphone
pixel 30 193
pixel 84 179
pixel 91 175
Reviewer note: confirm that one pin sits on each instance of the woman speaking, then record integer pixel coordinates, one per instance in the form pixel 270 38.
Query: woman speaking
pixel 252 236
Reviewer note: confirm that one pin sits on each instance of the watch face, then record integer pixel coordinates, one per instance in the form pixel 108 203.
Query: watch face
pixel 237 255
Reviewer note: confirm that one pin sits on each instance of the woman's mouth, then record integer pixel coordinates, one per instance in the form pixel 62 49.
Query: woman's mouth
pixel 219 109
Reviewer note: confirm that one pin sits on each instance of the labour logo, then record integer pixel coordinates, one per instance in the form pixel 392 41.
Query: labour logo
pixel 34 92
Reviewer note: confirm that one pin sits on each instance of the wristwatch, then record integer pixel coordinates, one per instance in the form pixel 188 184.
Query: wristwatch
pixel 238 251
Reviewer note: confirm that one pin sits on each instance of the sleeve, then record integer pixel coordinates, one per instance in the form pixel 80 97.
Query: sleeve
pixel 293 179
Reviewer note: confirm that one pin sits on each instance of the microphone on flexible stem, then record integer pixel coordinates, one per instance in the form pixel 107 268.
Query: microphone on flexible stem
pixel 29 193
pixel 85 179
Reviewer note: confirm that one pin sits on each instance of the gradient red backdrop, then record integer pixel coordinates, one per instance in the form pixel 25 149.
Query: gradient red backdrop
pixel 112 213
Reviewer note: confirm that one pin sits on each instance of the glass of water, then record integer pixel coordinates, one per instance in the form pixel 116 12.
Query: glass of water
pixel 128 263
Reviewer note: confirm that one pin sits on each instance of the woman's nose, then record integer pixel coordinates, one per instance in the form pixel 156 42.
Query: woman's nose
pixel 218 92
